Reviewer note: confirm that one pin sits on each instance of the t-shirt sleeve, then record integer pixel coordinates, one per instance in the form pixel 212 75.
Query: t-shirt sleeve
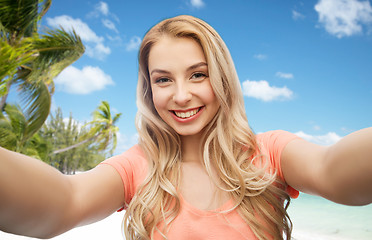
pixel 273 144
pixel 132 167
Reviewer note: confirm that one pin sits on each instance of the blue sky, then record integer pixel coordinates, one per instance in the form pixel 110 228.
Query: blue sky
pixel 305 66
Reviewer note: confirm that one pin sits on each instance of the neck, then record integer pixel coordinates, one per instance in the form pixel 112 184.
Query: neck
pixel 191 148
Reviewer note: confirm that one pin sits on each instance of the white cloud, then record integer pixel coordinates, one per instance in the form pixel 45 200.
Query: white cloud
pixel 110 25
pixel 81 28
pixel 103 8
pixel 260 56
pixel 114 39
pixel 263 91
pixel 344 17
pixel 94 43
pixel 85 81
pixel 296 15
pixel 197 3
pixel 284 75
pixel 327 139
pixel 98 51
pixel 134 43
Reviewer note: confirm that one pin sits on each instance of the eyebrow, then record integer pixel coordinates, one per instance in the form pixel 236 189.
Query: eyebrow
pixel 192 67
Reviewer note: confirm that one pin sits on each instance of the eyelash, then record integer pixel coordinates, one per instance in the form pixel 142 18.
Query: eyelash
pixel 196 75
pixel 201 75
pixel 161 80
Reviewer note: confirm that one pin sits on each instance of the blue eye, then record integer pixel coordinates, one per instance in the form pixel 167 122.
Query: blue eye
pixel 199 75
pixel 162 80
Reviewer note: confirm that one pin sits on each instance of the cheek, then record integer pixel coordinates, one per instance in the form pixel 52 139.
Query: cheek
pixel 159 101
pixel 208 94
pixel 210 97
pixel 211 101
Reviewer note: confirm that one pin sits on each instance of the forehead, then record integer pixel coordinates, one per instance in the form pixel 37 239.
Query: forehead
pixel 171 52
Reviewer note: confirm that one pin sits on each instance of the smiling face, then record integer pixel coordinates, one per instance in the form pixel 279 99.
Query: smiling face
pixel 181 90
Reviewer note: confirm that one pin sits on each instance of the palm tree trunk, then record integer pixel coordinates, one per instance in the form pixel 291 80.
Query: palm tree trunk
pixel 2 101
pixel 74 146
pixel 4 98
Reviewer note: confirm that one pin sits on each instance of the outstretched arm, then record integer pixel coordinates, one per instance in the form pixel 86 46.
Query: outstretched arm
pixel 341 172
pixel 37 200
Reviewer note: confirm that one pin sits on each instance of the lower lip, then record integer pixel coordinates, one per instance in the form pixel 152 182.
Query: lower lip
pixel 189 119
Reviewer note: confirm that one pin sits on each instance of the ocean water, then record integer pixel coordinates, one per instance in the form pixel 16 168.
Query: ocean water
pixel 313 218
pixel 317 218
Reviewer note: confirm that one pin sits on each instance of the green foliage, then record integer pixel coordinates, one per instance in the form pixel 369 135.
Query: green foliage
pixel 31 60
pixel 83 146
pixel 103 127
pixel 19 17
pixel 61 133
pixel 11 57
pixel 13 133
pixel 101 133
pixel 57 49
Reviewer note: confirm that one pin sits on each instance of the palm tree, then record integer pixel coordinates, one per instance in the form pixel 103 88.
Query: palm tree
pixel 59 132
pixel 102 132
pixel 30 60
pixel 13 126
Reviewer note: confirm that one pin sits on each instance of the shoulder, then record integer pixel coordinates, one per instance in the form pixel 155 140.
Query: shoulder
pixel 275 137
pixel 132 166
pixel 271 144
pixel 274 142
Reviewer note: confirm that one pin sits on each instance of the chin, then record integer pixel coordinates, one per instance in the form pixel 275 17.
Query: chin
pixel 188 133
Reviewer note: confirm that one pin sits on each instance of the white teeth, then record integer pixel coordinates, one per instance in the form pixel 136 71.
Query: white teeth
pixel 186 114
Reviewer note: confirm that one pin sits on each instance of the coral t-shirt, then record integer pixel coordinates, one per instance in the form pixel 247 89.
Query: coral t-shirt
pixel 194 223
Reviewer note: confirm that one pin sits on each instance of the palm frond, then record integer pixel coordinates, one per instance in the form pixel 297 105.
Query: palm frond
pixel 8 138
pixel 57 49
pixel 36 147
pixel 116 118
pixel 102 112
pixel 36 100
pixel 16 118
pixel 31 60
pixel 12 127
pixel 100 133
pixel 13 56
pixel 19 17
pixel 45 5
pixel 103 127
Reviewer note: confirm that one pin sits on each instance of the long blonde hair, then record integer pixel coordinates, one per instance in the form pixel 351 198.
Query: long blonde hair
pixel 229 145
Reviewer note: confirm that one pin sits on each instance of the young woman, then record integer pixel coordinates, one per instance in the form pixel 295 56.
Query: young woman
pixel 198 172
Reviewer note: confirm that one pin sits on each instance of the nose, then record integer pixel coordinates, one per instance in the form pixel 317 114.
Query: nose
pixel 182 95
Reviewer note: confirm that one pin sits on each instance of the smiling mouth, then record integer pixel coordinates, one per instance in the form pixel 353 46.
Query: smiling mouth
pixel 186 114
